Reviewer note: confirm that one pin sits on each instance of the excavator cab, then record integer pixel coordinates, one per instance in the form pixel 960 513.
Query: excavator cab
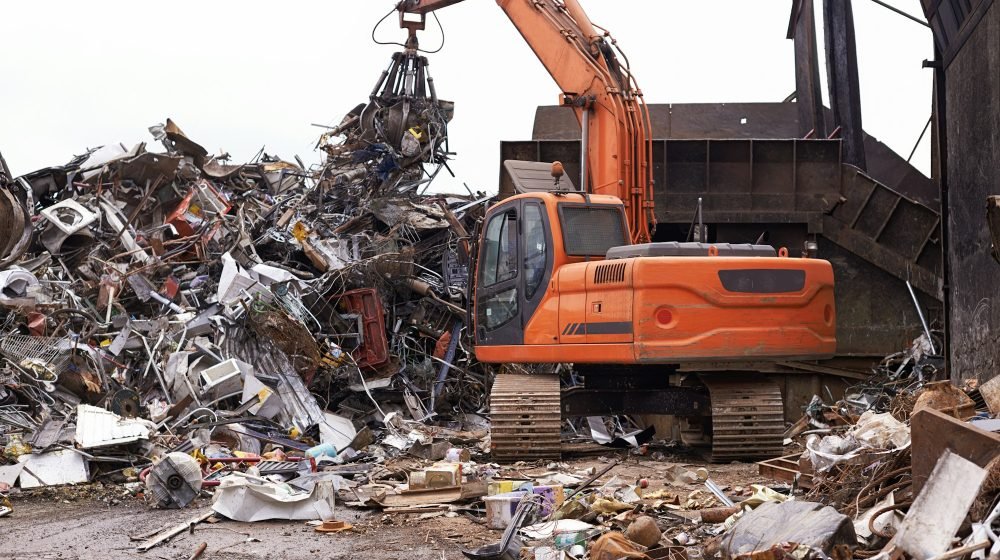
pixel 524 240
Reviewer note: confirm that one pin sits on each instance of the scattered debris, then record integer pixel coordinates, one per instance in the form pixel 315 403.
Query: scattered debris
pixel 242 497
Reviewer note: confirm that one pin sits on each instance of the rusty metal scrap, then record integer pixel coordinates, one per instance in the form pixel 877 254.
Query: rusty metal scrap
pixel 15 226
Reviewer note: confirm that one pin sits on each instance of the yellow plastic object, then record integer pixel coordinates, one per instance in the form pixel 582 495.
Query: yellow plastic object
pixel 604 505
pixel 197 454
pixel 300 231
pixel 499 487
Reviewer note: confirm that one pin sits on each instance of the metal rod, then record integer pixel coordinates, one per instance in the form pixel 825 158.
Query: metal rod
pixel 150 188
pixel 702 238
pixel 583 485
pixel 696 221
pixel 902 13
pixel 920 313
pixel 922 133
pixel 714 489
pixel 159 376
pixel 584 140
pixel 449 357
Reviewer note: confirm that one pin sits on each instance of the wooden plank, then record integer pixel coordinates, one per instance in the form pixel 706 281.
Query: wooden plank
pixel 934 432
pixel 173 532
pixel 435 496
pixel 991 394
pixel 785 469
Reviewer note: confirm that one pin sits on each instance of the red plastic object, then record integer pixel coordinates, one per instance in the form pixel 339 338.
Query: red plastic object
pixel 374 351
pixel 170 287
pixel 36 323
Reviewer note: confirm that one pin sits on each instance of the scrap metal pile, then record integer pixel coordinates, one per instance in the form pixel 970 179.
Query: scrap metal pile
pixel 172 301
pixel 904 452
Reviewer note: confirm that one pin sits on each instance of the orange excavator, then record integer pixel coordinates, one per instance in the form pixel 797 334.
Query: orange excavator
pixel 567 275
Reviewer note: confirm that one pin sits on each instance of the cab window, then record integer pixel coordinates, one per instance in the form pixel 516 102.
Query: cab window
pixel 498 303
pixel 496 310
pixel 535 249
pixel 500 251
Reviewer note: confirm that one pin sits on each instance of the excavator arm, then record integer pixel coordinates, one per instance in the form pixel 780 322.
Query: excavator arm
pixel 616 139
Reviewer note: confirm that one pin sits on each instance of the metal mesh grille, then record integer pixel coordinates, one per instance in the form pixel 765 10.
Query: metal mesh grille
pixel 589 231
pixel 43 351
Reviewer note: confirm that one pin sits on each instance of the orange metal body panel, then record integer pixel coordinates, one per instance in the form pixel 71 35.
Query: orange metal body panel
pixel 609 301
pixel 710 323
pixel 571 308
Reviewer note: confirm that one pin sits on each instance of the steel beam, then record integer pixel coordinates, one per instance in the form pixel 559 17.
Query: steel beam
pixel 808 90
pixel 842 70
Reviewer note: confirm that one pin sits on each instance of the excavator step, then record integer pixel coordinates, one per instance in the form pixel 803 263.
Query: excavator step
pixel 525 417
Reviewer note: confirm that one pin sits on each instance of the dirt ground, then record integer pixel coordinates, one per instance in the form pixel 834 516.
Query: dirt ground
pixel 69 523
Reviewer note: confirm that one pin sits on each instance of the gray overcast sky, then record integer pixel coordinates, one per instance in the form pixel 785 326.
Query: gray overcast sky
pixel 238 75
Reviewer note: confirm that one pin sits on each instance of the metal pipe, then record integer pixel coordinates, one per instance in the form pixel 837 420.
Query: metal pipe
pixel 433 90
pixel 714 489
pixel 920 313
pixel 584 142
pixel 591 35
pixel 379 83
pixel 920 138
pixel 205 409
pixel 448 359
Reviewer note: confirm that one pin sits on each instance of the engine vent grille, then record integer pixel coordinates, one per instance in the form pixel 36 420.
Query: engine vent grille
pixel 609 273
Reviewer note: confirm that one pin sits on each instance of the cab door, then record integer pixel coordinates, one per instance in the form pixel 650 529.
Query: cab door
pixel 498 313
pixel 514 266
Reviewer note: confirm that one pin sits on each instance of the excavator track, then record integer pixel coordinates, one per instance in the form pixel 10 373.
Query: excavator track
pixel 525 416
pixel 748 420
